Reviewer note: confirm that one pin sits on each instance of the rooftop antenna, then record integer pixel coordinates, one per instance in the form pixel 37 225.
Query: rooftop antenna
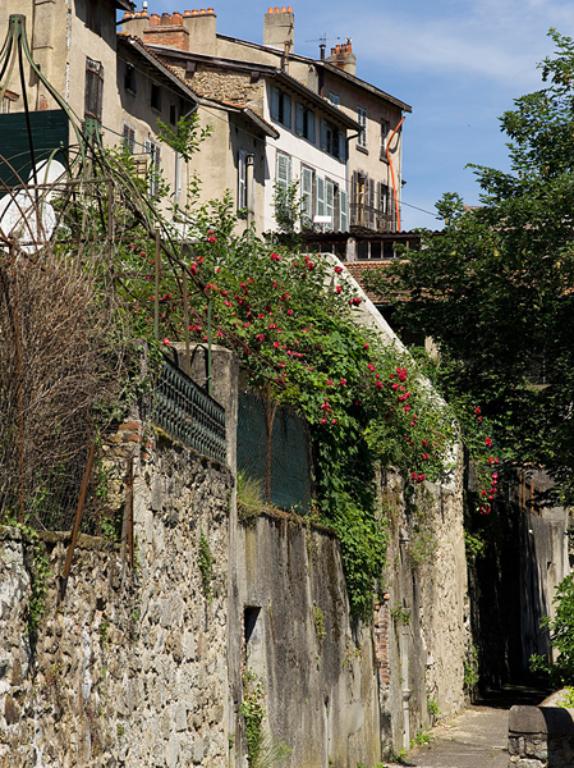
pixel 322 44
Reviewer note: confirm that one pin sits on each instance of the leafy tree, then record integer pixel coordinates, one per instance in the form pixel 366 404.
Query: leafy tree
pixel 561 628
pixel 496 288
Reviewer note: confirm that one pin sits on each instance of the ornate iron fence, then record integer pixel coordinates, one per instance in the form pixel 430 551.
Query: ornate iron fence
pixel 188 413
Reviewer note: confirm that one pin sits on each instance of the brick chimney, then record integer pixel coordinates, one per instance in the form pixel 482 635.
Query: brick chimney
pixel 202 27
pixel 167 29
pixel 342 56
pixel 279 28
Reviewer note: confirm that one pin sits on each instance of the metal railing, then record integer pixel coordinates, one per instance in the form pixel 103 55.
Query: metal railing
pixel 371 218
pixel 188 413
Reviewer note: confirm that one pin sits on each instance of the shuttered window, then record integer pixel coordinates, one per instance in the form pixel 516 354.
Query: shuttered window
pixel 283 171
pixel 94 92
pixel 320 196
pixel 305 123
pixel 344 211
pixel 152 150
pixel 362 120
pixel 129 141
pixel 307 175
pixel 242 183
pixel 281 107
pixel 330 201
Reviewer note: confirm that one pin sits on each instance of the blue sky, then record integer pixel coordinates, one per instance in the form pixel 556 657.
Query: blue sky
pixel 459 63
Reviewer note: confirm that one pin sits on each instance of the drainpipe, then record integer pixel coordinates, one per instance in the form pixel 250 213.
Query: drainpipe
pixel 69 16
pixel 406 691
pixel 404 657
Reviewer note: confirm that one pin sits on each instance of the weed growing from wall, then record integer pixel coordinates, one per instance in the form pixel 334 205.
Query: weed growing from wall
pixel 400 615
pixel 253 712
pixel 319 622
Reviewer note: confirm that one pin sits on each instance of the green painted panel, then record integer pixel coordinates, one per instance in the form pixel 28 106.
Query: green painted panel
pixel 291 473
pixel 49 132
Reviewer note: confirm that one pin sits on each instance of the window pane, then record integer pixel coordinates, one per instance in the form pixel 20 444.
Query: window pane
pixel 300 120
pixel 310 134
pixel 286 111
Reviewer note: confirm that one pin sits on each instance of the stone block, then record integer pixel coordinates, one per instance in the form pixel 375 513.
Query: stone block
pixel 11 710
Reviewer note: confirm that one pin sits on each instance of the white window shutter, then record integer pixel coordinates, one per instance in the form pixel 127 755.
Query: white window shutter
pixel 344 211
pixel 330 201
pixel 320 196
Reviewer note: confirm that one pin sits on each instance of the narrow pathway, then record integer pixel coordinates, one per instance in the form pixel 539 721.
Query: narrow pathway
pixel 475 739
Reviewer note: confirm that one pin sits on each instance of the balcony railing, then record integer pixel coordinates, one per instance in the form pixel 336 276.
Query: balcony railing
pixel 371 218
pixel 188 413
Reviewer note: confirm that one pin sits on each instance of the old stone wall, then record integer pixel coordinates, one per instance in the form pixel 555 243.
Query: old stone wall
pixel 422 632
pixel 128 669
pixel 221 85
pixel 541 737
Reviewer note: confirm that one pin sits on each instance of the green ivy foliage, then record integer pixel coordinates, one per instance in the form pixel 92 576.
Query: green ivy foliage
pixel 561 628
pixel 290 317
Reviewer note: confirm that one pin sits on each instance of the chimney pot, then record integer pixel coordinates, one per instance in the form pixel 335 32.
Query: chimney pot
pixel 177 19
pixel 342 56
pixel 154 19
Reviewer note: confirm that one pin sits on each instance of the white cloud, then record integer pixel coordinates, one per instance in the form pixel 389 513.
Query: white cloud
pixel 501 40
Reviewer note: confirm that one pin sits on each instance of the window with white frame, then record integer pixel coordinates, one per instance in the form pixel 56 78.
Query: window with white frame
pixel 362 120
pixel 152 150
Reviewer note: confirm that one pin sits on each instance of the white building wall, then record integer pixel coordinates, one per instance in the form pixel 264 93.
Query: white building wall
pixel 302 153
